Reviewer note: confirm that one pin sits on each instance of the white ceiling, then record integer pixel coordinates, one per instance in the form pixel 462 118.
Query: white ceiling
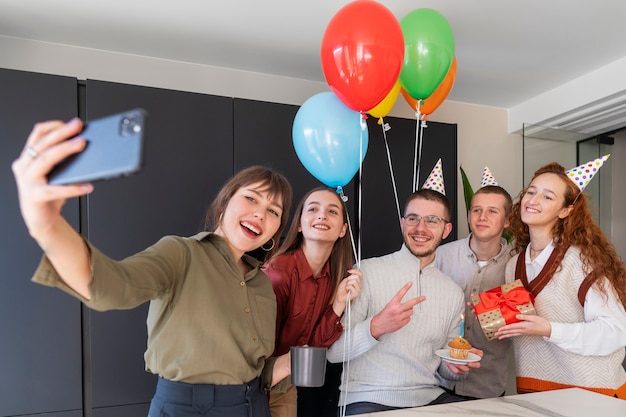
pixel 508 52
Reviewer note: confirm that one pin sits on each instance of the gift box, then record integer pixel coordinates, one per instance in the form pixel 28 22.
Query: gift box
pixel 500 305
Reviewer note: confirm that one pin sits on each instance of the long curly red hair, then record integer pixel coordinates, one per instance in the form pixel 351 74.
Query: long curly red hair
pixel 578 229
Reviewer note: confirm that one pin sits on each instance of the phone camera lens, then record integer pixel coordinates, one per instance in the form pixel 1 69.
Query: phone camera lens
pixel 130 125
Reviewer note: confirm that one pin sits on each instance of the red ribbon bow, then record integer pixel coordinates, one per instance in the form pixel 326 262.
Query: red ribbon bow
pixel 506 303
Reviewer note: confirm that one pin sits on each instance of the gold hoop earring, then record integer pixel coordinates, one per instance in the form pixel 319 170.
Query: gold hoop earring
pixel 266 249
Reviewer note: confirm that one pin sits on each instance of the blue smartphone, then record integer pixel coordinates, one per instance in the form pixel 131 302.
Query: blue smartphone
pixel 114 148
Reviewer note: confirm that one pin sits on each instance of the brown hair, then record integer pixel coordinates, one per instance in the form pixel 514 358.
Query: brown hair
pixel 275 184
pixel 577 229
pixel 341 256
pixel 496 189
pixel 430 195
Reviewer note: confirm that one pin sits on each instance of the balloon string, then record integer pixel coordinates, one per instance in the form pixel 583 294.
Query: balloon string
pixel 347 346
pixel 417 156
pixel 356 247
pixel 344 198
pixel 347 342
pixel 360 205
pixel 422 125
pixel 386 127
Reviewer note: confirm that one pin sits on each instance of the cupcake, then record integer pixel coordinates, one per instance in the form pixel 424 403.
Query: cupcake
pixel 459 348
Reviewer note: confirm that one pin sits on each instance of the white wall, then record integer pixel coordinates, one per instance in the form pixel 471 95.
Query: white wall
pixel 576 101
pixel 618 196
pixel 482 131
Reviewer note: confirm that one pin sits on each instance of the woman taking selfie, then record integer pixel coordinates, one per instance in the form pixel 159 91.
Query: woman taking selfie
pixel 578 336
pixel 215 366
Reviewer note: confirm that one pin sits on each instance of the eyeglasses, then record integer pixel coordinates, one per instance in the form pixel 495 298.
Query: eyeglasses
pixel 429 221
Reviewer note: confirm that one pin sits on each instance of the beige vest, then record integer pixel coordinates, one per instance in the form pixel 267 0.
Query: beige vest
pixel 541 360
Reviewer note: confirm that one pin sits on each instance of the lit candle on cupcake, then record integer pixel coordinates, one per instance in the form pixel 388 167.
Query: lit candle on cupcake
pixel 459 347
pixel 462 325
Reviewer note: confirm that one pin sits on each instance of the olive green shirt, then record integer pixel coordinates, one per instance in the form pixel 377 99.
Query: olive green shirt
pixel 206 323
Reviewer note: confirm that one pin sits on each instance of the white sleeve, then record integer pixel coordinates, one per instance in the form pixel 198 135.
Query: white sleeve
pixel 602 332
pixel 352 343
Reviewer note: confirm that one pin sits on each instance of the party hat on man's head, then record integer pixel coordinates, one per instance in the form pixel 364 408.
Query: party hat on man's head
pixel 488 178
pixel 435 179
pixel 582 174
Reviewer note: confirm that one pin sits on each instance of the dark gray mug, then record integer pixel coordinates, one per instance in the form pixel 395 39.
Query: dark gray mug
pixel 308 366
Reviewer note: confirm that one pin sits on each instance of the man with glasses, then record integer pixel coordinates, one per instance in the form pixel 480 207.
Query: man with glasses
pixel 407 310
pixel 476 263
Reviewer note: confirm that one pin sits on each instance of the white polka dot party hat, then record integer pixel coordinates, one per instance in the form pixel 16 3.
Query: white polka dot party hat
pixel 435 179
pixel 488 178
pixel 582 174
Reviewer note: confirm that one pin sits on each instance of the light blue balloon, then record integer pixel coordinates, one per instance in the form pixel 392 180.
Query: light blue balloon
pixel 327 137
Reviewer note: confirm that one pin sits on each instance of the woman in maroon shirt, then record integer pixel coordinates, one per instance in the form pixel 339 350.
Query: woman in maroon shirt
pixel 308 274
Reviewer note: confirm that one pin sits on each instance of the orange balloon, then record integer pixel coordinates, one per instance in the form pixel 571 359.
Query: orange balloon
pixel 383 108
pixel 410 100
pixel 431 103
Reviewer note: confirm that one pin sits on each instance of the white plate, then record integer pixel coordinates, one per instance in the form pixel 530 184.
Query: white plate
pixel 445 355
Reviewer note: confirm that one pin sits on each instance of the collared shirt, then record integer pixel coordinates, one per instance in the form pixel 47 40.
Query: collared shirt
pixel 304 311
pixel 458 261
pixel 605 319
pixel 207 323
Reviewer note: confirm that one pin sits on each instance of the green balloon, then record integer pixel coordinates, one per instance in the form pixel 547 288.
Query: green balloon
pixel 428 52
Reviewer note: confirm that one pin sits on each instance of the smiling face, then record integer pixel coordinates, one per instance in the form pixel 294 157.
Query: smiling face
pixel 250 219
pixel 487 216
pixel 322 218
pixel 421 240
pixel 542 204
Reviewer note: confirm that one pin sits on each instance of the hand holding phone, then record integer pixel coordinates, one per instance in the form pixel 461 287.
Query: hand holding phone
pixel 114 148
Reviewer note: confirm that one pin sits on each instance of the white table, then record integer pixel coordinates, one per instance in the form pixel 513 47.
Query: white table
pixel 571 402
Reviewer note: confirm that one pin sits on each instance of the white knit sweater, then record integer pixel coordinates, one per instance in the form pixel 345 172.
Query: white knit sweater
pixel 400 369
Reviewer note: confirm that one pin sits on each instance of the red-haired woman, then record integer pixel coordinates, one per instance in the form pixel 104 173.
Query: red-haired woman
pixel 578 336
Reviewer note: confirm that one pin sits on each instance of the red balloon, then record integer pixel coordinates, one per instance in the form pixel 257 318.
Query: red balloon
pixel 362 53
pixel 431 103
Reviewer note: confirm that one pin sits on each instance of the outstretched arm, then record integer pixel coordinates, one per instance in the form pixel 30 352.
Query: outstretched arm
pixel 41 203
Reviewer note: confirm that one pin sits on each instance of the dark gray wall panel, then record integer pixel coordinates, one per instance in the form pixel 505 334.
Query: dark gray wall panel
pixel 40 345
